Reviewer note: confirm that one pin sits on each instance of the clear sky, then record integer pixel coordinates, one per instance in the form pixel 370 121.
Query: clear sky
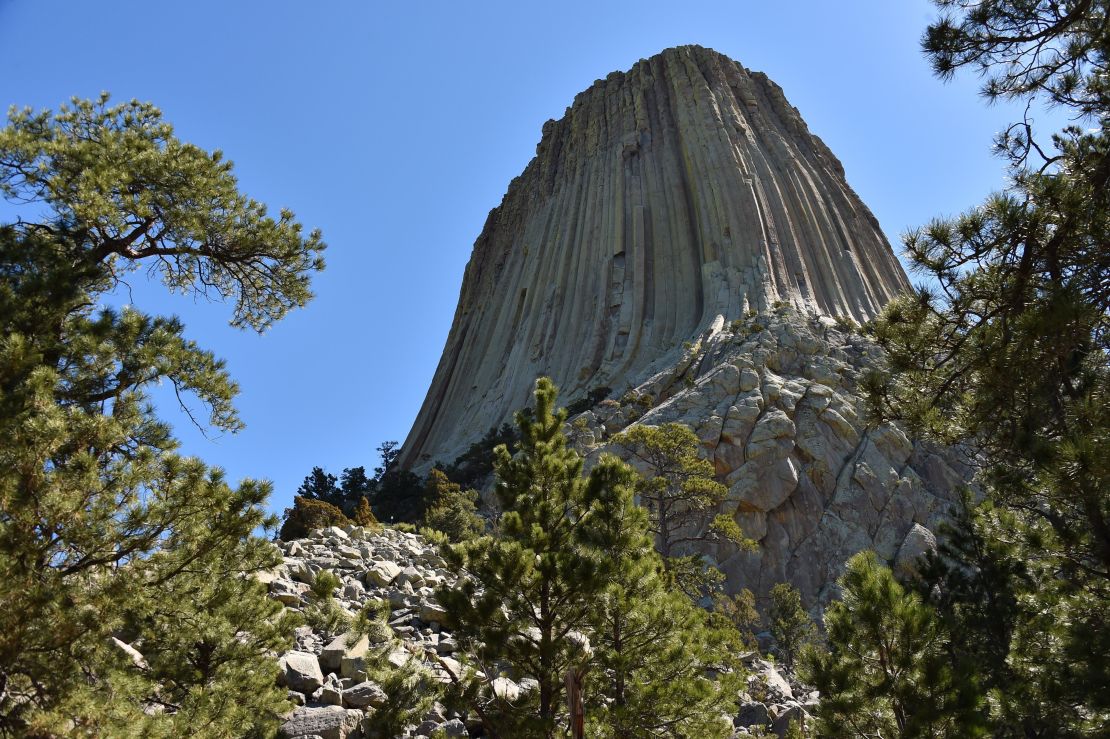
pixel 396 127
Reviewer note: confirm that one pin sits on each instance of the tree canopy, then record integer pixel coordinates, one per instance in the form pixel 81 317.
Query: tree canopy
pixel 125 568
pixel 570 591
pixel 1004 352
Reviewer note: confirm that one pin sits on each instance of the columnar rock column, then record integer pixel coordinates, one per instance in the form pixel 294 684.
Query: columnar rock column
pixel 682 190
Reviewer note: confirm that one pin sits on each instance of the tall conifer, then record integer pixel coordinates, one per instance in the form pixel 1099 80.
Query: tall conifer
pixel 129 605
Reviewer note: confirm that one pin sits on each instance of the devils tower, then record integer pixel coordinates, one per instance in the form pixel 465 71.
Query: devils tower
pixel 684 189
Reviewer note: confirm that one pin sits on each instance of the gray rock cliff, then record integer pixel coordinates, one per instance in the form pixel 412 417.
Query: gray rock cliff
pixel 776 401
pixel 685 189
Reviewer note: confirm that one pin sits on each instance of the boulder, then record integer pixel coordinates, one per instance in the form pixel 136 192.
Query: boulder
pixel 919 541
pixel 300 671
pixel 791 715
pixel 382 573
pixel 344 645
pixel 326 722
pixel 288 592
pixel 752 714
pixel 454 727
pixel 432 612
pixel 505 689
pixel 366 693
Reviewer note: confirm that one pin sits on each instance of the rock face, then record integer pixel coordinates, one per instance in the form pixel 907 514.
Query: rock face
pixel 682 190
pixel 775 400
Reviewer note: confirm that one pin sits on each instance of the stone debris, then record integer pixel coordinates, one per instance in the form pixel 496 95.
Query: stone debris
pixel 326 673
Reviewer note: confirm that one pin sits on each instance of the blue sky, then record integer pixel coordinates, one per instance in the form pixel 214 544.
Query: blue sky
pixel 396 127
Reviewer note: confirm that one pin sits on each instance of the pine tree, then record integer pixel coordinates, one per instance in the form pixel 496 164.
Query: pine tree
pixel 398 495
pixel 354 484
pixel 321 485
pixel 681 496
pixel 790 625
pixel 125 568
pixel 1008 356
pixel 654 650
pixel 523 594
pixel 887 671
pixel 739 611
pixel 451 510
pixel 572 584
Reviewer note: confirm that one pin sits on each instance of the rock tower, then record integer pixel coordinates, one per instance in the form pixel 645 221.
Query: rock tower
pixel 683 190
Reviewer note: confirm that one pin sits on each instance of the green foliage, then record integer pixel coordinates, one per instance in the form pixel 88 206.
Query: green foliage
pixel 573 565
pixel 679 492
pixel 654 649
pixel 343 492
pixel 739 611
pixel 372 622
pixel 320 485
pixel 307 515
pixel 322 612
pixel 790 624
pixel 1003 612
pixel 887 671
pixel 1008 355
pixel 1056 51
pixel 847 324
pixel 410 693
pixel 364 516
pixel 324 584
pixel 107 536
pixel 393 494
pixel 354 484
pixel 452 510
pixel 537 575
pixel 118 176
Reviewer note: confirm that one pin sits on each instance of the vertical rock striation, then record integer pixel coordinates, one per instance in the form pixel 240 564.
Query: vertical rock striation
pixel 682 191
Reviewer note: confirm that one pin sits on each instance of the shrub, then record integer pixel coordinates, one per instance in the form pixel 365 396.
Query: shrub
pixel 307 515
pixel 364 516
pixel 452 510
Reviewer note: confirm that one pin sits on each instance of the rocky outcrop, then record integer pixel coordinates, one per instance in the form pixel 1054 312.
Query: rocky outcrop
pixel 684 189
pixel 776 402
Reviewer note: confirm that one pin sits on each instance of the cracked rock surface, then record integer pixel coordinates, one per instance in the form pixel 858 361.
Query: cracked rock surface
pixel 776 402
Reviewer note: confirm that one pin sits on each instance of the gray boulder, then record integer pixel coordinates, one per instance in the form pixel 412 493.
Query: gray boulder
pixel 326 722
pixel 793 714
pixel 301 671
pixel 364 694
pixel 342 646
pixel 752 714
pixel 382 573
pixel 919 541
